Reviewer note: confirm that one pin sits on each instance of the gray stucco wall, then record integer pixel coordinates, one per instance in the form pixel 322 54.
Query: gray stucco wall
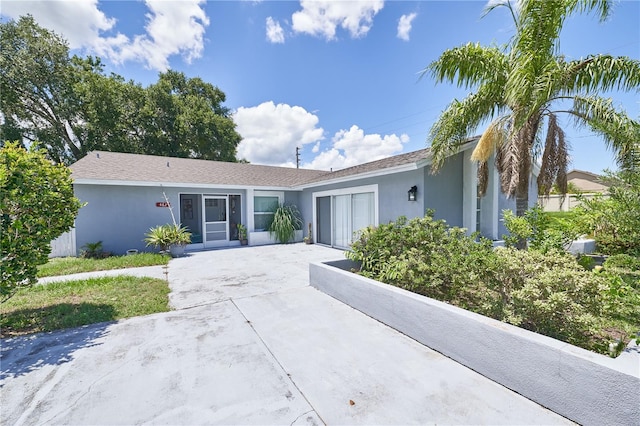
pixel 443 191
pixel 305 206
pixel 392 194
pixel 119 216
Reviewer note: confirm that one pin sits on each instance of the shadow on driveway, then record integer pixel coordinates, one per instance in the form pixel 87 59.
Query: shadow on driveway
pixel 21 355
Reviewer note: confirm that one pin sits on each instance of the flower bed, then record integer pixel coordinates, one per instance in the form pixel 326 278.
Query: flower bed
pixel 581 385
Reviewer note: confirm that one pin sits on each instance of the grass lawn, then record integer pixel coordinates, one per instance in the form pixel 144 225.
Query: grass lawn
pixel 68 304
pixel 74 265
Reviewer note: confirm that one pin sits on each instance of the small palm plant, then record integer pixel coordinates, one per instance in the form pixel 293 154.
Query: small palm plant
pixel 165 236
pixel 286 220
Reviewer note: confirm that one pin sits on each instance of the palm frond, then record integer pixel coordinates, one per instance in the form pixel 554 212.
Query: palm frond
pixel 619 132
pixel 469 65
pixel 460 119
pixel 602 72
pixel 553 168
pixel 549 165
pixel 562 162
pixel 492 138
pixel 535 46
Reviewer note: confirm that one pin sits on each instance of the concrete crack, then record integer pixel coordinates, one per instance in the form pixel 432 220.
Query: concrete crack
pixel 298 418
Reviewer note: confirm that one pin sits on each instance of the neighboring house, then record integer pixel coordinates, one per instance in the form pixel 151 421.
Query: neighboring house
pixel 125 196
pixel 589 184
pixel 586 182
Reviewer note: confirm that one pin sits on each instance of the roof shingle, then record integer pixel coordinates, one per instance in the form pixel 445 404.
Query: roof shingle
pixel 117 166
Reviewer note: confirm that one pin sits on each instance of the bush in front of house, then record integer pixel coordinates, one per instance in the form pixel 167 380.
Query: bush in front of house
pixel 614 221
pixel 427 257
pixel 36 206
pixel 539 230
pixel 543 291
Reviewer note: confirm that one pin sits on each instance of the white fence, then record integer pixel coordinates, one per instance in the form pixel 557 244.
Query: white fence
pixel 64 245
pixel 560 203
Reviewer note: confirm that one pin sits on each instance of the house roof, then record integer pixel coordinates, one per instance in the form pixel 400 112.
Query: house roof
pixel 587 181
pixel 374 166
pixel 122 168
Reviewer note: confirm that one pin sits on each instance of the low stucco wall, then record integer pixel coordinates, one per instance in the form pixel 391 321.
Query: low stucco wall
pixel 585 387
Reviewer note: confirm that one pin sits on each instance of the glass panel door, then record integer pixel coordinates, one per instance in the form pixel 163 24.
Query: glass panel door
pixel 215 221
pixel 323 220
pixel 363 212
pixel 341 221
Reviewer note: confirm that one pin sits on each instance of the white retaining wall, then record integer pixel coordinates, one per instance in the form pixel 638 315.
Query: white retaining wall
pixel 586 387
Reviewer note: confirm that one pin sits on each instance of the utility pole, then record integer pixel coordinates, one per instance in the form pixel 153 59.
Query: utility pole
pixel 297 157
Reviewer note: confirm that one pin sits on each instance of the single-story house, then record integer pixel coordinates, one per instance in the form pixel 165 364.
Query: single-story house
pixel 586 181
pixel 127 194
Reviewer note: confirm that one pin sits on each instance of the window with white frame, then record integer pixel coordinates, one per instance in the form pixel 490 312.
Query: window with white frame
pixel 264 207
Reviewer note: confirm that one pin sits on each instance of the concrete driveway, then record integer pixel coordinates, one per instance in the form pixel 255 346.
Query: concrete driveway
pixel 249 342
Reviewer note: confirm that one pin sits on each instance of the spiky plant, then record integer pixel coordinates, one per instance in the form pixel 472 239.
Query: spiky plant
pixel 286 220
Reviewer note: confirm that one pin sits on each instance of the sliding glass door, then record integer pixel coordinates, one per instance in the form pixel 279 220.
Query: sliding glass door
pixel 339 217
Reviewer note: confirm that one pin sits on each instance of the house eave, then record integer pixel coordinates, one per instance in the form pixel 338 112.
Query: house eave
pixel 114 182
pixel 359 176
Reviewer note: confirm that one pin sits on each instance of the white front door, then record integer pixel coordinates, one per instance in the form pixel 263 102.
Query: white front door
pixel 215 221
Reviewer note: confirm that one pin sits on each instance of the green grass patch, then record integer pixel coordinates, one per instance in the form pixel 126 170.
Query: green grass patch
pixel 74 265
pixel 68 304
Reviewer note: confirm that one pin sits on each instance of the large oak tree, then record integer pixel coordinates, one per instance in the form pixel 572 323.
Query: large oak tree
pixel 70 106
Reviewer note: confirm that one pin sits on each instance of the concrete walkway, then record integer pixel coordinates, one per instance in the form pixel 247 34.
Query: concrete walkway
pixel 249 342
pixel 157 271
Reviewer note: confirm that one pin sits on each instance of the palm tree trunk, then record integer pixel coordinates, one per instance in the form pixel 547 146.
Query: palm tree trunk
pixel 522 204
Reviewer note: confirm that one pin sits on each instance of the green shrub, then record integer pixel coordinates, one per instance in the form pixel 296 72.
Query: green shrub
pixel 539 229
pixel 428 257
pixel 623 261
pixel 543 291
pixel 614 221
pixel 551 294
pixel 36 206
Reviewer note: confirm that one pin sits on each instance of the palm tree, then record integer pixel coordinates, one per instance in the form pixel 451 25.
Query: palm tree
pixel 521 88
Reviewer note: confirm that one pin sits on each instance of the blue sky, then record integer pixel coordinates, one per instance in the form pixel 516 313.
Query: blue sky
pixel 339 79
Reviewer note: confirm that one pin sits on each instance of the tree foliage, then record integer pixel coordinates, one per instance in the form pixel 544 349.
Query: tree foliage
pixel 36 206
pixel 522 87
pixel 614 221
pixel 71 106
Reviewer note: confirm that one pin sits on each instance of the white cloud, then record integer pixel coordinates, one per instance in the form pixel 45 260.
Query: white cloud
pixel 271 133
pixel 275 34
pixel 79 22
pixel 322 17
pixel 352 147
pixel 404 26
pixel 173 27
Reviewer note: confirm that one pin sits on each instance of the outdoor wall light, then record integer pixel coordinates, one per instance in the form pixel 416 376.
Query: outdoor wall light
pixel 413 193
